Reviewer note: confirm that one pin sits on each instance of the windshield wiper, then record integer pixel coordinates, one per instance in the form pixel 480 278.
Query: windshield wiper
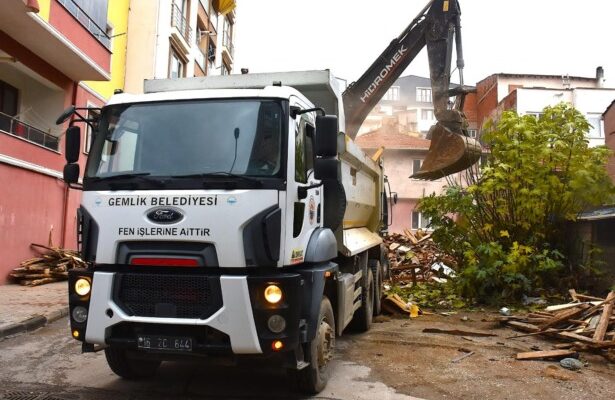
pixel 142 176
pixel 119 176
pixel 221 174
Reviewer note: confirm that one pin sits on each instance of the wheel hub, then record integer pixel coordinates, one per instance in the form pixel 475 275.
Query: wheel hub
pixel 326 342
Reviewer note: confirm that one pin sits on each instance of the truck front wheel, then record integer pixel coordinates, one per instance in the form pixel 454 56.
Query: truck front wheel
pixel 127 367
pixel 319 352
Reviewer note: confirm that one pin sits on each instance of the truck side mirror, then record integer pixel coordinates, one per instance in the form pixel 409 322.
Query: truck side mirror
pixel 71 173
pixel 72 144
pixel 325 137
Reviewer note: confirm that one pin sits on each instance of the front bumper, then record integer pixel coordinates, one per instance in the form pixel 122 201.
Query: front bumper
pixel 237 324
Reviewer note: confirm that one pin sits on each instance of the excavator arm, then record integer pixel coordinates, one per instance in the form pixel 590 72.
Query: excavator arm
pixel 438 27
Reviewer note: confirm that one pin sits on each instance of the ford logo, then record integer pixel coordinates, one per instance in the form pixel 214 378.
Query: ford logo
pixel 165 215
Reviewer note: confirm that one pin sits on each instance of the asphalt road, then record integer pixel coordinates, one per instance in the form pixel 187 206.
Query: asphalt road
pixel 48 364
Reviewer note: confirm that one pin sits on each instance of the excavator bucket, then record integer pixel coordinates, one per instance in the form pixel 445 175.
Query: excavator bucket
pixel 448 153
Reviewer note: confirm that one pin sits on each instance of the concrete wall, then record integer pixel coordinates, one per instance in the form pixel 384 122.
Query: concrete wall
pixel 141 44
pixel 398 167
pixel 117 17
pixel 590 102
pixel 609 135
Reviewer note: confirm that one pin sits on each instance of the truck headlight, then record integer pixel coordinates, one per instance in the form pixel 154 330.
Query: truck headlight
pixel 82 287
pixel 80 314
pixel 273 294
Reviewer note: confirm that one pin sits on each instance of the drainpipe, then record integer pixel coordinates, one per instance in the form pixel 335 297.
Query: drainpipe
pixel 66 188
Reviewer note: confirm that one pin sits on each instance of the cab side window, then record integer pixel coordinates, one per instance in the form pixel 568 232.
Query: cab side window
pixel 304 154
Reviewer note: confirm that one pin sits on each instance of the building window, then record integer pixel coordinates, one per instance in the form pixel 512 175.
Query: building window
pixel 8 105
pixel 427 114
pixel 595 130
pixel 419 221
pixel 423 95
pixel 227 36
pixel 211 57
pixel 536 115
pixel 473 133
pixel 392 94
pixel 416 166
pixel 177 66
pixel 8 99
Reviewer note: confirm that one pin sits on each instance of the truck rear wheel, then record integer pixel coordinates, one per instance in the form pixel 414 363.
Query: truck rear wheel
pixel 129 368
pixel 376 268
pixel 318 353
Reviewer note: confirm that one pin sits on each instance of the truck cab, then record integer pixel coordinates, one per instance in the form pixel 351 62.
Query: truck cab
pixel 226 215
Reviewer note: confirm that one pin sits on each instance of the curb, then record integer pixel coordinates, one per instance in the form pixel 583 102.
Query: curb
pixel 32 323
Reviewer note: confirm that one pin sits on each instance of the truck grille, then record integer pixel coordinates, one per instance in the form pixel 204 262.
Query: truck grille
pixel 167 295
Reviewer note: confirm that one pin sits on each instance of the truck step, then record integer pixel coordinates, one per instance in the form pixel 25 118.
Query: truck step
pixel 358 276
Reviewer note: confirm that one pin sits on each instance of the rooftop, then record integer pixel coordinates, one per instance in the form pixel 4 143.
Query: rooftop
pixel 388 137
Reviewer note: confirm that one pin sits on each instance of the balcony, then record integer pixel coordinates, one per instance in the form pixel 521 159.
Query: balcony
pixel 63 42
pixel 182 32
pixel 27 132
pixel 88 23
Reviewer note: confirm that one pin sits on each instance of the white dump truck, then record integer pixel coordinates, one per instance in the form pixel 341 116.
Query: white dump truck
pixel 234 216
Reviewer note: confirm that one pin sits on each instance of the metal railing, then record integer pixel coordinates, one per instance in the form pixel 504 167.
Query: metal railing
pixel 20 129
pixel 179 21
pixel 228 43
pixel 88 23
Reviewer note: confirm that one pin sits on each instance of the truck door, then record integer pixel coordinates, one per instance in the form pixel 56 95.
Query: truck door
pixel 305 210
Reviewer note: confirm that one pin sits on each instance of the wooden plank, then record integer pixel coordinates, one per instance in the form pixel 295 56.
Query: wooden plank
pixel 410 236
pixel 583 296
pixel 603 325
pixel 565 316
pixel 523 326
pixel 560 307
pixel 574 336
pixel 538 355
pixel 457 332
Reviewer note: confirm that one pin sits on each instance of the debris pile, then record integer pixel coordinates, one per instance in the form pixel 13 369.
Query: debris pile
pixel 415 257
pixel 585 324
pixel 52 266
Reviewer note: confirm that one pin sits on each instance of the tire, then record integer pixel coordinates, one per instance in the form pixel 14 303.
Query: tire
pixel 362 320
pixel 376 269
pixel 318 353
pixel 129 368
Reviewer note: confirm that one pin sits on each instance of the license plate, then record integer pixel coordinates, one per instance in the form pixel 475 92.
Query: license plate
pixel 170 343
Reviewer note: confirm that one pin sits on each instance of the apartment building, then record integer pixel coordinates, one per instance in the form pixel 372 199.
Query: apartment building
pixel 529 94
pixel 178 38
pixel 408 103
pixel 53 53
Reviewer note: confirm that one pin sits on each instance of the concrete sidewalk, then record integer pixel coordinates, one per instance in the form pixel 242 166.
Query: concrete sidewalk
pixel 24 309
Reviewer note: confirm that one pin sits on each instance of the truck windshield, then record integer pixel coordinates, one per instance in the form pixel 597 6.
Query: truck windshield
pixel 188 138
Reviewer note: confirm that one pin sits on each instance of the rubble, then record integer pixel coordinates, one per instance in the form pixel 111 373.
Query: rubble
pixel 415 257
pixel 582 326
pixel 52 266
